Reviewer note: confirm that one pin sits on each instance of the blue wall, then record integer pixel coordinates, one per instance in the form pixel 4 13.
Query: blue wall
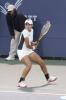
pixel 54 45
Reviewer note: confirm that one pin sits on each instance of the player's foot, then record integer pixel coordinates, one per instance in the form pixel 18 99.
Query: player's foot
pixel 10 58
pixel 52 79
pixel 22 84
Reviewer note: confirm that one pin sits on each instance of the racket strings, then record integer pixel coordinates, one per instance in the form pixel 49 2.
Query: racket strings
pixel 44 30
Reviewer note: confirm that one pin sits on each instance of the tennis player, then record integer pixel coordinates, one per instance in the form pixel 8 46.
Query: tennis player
pixel 27 55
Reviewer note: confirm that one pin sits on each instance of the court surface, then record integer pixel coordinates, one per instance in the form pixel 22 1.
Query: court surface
pixel 10 72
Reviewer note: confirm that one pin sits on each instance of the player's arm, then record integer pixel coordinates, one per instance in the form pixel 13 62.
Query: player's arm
pixel 26 40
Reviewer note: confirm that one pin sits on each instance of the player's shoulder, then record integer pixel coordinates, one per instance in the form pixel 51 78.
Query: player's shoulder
pixel 24 31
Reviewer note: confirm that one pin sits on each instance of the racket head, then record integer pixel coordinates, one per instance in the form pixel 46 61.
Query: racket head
pixel 44 29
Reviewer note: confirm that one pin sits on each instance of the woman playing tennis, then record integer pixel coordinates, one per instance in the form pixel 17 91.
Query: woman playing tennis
pixel 27 55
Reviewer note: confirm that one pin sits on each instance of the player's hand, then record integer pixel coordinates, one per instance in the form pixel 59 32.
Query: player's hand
pixel 34 47
pixel 34 43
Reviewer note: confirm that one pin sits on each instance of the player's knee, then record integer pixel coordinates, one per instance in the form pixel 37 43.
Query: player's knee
pixel 29 65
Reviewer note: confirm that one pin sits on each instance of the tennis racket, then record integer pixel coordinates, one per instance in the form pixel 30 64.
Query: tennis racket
pixel 43 32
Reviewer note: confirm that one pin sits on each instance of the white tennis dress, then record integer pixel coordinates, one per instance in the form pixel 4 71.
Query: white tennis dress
pixel 25 51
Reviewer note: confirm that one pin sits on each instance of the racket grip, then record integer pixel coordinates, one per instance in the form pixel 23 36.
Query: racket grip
pixel 37 43
pixel 34 48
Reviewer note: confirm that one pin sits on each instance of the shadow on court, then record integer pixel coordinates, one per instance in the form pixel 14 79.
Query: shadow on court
pixel 48 62
pixel 32 89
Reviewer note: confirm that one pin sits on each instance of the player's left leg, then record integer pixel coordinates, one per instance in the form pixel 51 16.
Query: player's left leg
pixel 36 58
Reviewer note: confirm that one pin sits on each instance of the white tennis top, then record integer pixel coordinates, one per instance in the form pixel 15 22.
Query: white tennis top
pixel 28 34
pixel 25 51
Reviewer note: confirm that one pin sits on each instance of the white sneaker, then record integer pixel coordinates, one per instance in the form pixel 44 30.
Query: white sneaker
pixel 52 79
pixel 10 58
pixel 22 84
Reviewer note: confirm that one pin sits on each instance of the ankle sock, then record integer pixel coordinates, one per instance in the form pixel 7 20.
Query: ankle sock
pixel 22 79
pixel 47 76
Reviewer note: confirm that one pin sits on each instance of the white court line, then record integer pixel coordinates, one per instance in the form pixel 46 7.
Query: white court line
pixel 35 93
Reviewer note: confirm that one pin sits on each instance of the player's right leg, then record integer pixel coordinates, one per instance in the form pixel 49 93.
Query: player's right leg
pixel 26 70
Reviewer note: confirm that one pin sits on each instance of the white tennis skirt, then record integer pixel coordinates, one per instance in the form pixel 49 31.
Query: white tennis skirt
pixel 23 53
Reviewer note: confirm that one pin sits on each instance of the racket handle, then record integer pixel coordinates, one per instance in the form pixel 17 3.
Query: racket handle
pixel 34 48
pixel 37 44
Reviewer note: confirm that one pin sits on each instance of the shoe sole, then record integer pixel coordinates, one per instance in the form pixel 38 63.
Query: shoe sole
pixel 53 80
pixel 21 86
